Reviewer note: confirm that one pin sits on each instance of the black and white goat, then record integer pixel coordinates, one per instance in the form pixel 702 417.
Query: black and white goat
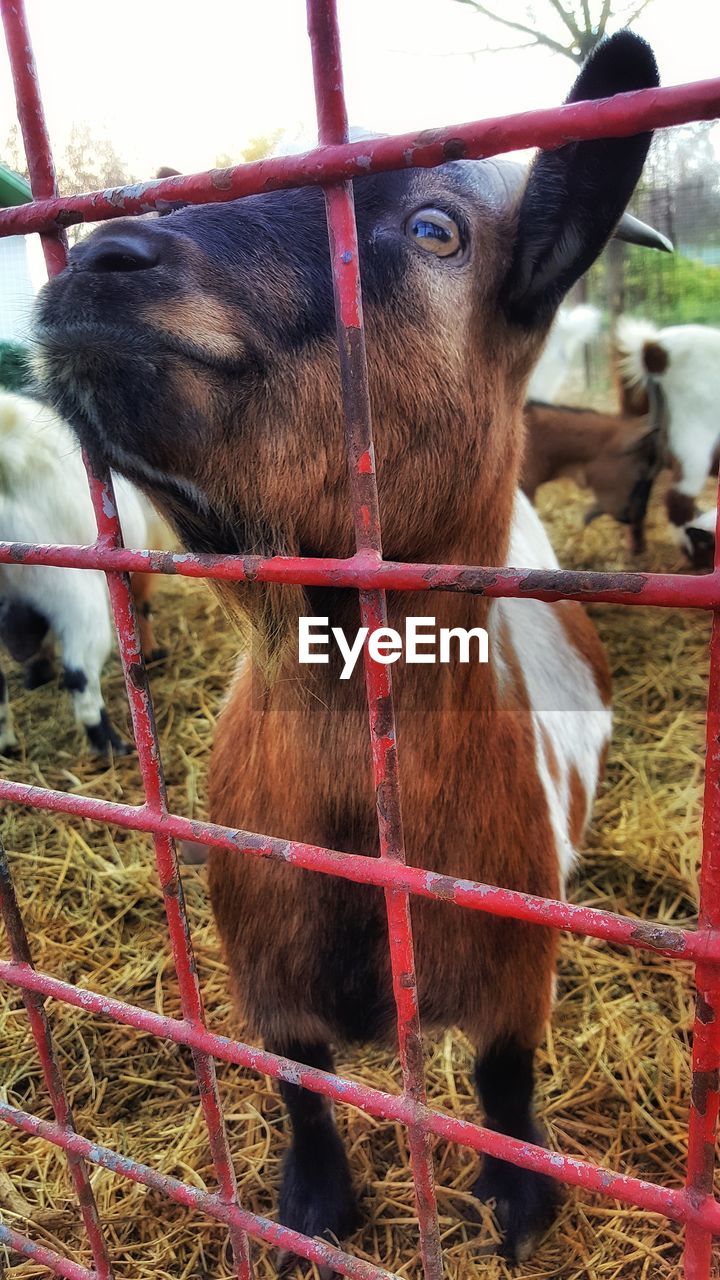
pixel 44 497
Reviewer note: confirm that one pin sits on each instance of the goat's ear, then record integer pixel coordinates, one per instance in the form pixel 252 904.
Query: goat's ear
pixel 576 195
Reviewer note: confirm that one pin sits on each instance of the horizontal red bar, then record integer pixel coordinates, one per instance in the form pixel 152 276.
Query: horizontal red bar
pixel 616 117
pixel 587 921
pixel 365 571
pixel 670 1202
pixel 44 1257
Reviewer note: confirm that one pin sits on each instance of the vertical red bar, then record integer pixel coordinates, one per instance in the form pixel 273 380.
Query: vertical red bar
pixel 32 123
pixel 333 128
pixel 34 128
pixel 40 1027
pixel 705 1095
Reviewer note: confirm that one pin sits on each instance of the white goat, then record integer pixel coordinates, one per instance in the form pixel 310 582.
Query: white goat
pixel 684 362
pixel 44 497
pixel 571 329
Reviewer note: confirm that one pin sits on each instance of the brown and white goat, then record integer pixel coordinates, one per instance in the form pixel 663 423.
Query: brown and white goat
pixel 615 456
pixel 680 366
pixel 197 354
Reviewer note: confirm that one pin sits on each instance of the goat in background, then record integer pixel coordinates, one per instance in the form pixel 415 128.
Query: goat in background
pixel 44 498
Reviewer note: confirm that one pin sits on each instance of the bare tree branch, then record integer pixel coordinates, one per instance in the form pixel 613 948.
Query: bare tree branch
pixel 576 17
pixel 500 48
pixel 568 18
pixel 602 24
pixel 538 36
pixel 636 12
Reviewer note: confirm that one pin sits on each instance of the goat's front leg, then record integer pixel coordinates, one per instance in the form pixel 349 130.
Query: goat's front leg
pixel 8 741
pixel 82 625
pixel 316 1196
pixel 526 1203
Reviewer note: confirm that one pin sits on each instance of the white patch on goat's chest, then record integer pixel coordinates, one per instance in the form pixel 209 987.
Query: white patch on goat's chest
pixel 572 725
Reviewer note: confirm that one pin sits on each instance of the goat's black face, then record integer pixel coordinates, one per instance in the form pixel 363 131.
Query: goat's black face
pixel 196 353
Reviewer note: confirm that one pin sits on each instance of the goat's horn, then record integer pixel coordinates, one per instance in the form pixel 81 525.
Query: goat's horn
pixel 513 175
pixel 633 231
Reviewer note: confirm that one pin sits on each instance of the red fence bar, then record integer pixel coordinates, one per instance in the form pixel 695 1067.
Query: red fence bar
pixel 705 1096
pixel 672 1203
pixel 148 749
pixel 364 572
pixel 42 1255
pixel 347 290
pixel 32 124
pixel 699 945
pixel 40 1027
pixel 610 117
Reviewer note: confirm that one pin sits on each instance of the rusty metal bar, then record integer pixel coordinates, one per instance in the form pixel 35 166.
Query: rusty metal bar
pixel 705 1094
pixel 148 749
pixel 32 126
pixel 672 1203
pixel 620 116
pixel 332 120
pixel 363 571
pixel 40 1027
pixel 591 922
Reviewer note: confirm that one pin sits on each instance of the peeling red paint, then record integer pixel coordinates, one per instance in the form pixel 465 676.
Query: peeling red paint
pixel 366 570
pixel 612 117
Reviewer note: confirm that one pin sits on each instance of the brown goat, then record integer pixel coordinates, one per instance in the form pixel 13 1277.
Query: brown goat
pixel 197 352
pixel 616 456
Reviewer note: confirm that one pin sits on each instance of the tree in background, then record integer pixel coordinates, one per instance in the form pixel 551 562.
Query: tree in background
pixel 88 162
pixel 572 29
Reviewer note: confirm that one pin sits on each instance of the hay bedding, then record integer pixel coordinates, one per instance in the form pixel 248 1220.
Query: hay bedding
pixel 614 1083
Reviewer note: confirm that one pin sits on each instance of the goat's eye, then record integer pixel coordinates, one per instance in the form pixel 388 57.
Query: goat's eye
pixel 434 231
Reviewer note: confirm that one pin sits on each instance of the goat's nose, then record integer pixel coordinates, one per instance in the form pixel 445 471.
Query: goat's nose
pixel 130 250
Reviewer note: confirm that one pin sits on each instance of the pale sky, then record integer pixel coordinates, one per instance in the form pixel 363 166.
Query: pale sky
pixel 179 82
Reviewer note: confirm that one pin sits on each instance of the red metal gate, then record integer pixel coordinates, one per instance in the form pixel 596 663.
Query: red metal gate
pixel 332 165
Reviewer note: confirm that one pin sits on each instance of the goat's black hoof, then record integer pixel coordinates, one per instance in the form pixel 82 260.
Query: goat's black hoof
pixel 317 1197
pixel 525 1205
pixel 104 740
pixel 157 655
